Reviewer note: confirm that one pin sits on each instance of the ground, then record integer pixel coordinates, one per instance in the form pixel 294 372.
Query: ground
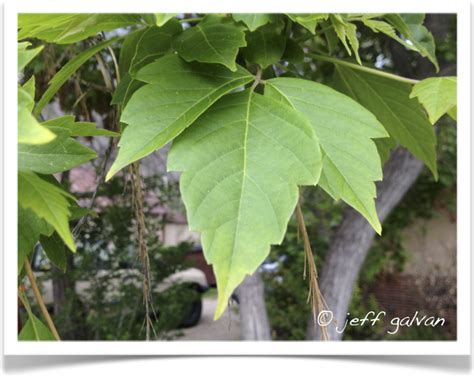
pixel 226 328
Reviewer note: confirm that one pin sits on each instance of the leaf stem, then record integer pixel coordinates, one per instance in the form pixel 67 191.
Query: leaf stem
pixel 104 71
pixel 116 66
pixel 362 68
pixel 39 299
pixel 258 78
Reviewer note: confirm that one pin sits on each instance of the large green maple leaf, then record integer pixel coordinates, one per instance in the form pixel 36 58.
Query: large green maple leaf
pixel 60 154
pixel 48 202
pixel 140 48
pixel 213 40
pixel 66 28
pixel 254 20
pixel 438 95
pixel 242 162
pixel 345 131
pixel 389 101
pixel 175 95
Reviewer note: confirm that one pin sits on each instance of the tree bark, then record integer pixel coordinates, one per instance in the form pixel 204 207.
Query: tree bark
pixel 254 324
pixel 353 239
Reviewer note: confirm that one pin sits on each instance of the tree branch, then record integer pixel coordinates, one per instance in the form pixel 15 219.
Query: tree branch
pixel 39 299
pixel 373 71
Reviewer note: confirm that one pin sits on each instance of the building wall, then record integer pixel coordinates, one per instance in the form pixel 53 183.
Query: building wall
pixel 432 246
pixel 176 233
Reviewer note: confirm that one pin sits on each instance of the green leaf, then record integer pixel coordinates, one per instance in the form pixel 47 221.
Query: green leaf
pixel 26 94
pixel 30 131
pixel 177 93
pixel 419 36
pixel 146 45
pixel 332 40
pixel 140 48
pixel 213 40
pixel 72 27
pixel 265 46
pixel 26 55
pixel 30 227
pixel 78 212
pixel 48 202
pixel 425 42
pixel 309 21
pixel 55 250
pixel 242 163
pixel 67 123
pixel 163 18
pixel 349 168
pixel 346 31
pixel 125 89
pixel 438 95
pixel 385 147
pixel 34 329
pixel 129 49
pixel 453 113
pixel 389 101
pixel 413 18
pixel 293 52
pixel 61 154
pixel 254 20
pixel 67 71
pixel 378 26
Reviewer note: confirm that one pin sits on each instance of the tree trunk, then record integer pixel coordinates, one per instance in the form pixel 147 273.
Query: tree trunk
pixel 353 239
pixel 354 236
pixel 254 323
pixel 64 293
pixel 63 299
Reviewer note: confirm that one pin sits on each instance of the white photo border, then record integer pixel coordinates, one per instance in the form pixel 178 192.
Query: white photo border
pixel 462 346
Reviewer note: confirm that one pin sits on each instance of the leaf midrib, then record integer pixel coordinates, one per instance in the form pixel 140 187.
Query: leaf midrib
pixel 242 187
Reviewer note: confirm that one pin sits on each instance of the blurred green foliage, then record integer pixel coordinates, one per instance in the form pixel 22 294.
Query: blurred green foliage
pixel 110 307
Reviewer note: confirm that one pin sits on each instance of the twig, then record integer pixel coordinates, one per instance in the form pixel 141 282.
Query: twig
pixel 105 72
pixel 81 98
pixel 77 229
pixel 94 86
pixel 137 199
pixel 102 170
pixel 65 53
pixel 39 299
pixel 315 298
pixel 362 68
pixel 116 66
